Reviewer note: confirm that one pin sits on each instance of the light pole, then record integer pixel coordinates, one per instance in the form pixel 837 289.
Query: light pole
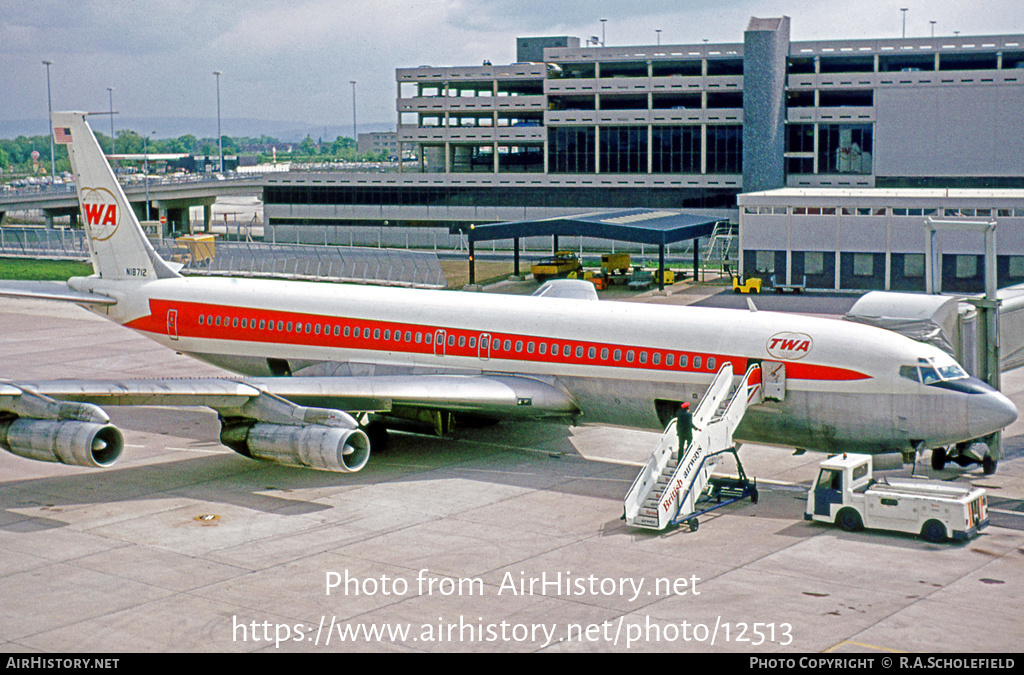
pixel 220 141
pixel 933 28
pixel 904 10
pixel 113 147
pixel 658 31
pixel 603 22
pixel 355 132
pixel 145 159
pixel 49 120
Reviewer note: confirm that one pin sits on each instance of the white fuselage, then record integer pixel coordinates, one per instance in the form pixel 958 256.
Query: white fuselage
pixel 622 363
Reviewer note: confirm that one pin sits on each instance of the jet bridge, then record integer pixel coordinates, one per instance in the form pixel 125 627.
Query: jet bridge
pixel 674 484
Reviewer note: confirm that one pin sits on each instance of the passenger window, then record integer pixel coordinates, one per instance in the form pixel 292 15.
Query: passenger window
pixel 408 336
pixel 484 342
pixel 428 338
pixel 617 355
pixel 604 354
pixel 263 324
pixel 696 362
pixel 529 347
pixel 309 328
pixel 579 352
pixel 508 345
pixel 656 358
pixel 629 356
pixel 683 360
pixel 543 348
pixel 462 341
pixel 711 364
pixel 337 329
pixel 519 345
pixel 245 323
pixel 451 340
pixel 419 338
pixel 592 352
pixel 289 326
pixel 348 331
pixel 567 350
pixel 472 343
pixel 376 333
pixel 280 325
pixel 387 334
pixel 218 320
pixel 643 357
pixel 366 333
pixel 669 359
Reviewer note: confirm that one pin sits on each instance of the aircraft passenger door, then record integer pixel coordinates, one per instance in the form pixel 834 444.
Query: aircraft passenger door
pixel 483 349
pixel 773 380
pixel 439 338
pixel 172 324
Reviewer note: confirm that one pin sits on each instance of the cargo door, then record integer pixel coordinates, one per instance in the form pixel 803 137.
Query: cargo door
pixel 172 324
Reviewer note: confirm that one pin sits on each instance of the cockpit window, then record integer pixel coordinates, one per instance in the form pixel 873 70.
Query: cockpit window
pixel 929 373
pixel 910 372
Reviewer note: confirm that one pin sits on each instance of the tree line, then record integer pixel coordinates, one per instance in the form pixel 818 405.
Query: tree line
pixel 16 154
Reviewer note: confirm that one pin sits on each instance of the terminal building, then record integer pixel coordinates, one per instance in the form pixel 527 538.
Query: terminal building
pixel 569 128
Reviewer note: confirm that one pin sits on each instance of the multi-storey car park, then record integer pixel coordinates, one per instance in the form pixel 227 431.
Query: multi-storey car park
pixel 571 128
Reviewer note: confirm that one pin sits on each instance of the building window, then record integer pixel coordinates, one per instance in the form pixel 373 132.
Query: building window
pixel 1016 266
pixel 623 149
pixel 675 149
pixel 966 266
pixel 863 264
pixel 913 265
pixel 845 148
pixel 571 150
pixel 814 262
pixel 725 149
pixel 764 262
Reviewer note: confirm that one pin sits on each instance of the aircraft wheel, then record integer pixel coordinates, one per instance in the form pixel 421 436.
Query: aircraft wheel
pixel 753 495
pixel 939 459
pixel 988 465
pixel 693 523
pixel 934 531
pixel 849 521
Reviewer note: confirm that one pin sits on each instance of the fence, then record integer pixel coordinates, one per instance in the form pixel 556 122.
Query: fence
pixel 252 259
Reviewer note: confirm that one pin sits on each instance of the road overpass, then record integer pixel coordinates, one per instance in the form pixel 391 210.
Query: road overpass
pixel 168 197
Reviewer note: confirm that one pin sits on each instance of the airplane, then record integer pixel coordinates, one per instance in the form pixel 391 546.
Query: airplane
pixel 325 369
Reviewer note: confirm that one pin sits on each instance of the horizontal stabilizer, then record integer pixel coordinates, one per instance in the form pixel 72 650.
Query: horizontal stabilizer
pixel 52 290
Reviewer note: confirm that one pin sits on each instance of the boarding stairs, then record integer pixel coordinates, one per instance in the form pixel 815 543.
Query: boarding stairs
pixel 669 487
pixel 721 243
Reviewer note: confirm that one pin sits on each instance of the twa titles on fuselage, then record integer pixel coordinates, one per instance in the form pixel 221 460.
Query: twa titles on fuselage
pixel 315 357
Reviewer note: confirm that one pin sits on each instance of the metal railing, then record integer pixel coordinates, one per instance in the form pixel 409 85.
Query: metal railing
pixel 391 267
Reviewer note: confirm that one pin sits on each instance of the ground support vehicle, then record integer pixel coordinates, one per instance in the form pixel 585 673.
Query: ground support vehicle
pixel 789 288
pixel 847 494
pixel 556 266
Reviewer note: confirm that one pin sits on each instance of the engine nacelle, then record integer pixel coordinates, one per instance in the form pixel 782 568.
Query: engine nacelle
pixel 66 441
pixel 313 446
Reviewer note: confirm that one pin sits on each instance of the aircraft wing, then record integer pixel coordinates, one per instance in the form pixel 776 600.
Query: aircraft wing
pixel 504 396
pixel 297 421
pixel 52 290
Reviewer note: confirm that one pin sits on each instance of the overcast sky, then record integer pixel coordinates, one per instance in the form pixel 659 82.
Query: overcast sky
pixel 293 61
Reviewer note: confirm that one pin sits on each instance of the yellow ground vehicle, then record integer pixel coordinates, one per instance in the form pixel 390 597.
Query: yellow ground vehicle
pixel 615 262
pixel 558 265
pixel 752 285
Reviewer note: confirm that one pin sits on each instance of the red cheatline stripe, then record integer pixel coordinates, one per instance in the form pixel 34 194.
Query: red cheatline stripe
pixel 188 315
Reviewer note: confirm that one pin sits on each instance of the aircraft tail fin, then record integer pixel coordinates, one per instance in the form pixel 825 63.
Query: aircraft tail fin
pixel 118 246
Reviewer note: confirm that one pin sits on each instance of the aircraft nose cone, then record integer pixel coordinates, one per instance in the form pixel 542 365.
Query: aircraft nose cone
pixel 990 412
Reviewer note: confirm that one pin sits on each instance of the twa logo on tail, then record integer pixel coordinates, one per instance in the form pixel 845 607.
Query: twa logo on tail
pixel 790 346
pixel 100 208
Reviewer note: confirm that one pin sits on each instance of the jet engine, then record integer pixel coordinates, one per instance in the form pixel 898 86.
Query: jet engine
pixel 67 441
pixel 312 446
